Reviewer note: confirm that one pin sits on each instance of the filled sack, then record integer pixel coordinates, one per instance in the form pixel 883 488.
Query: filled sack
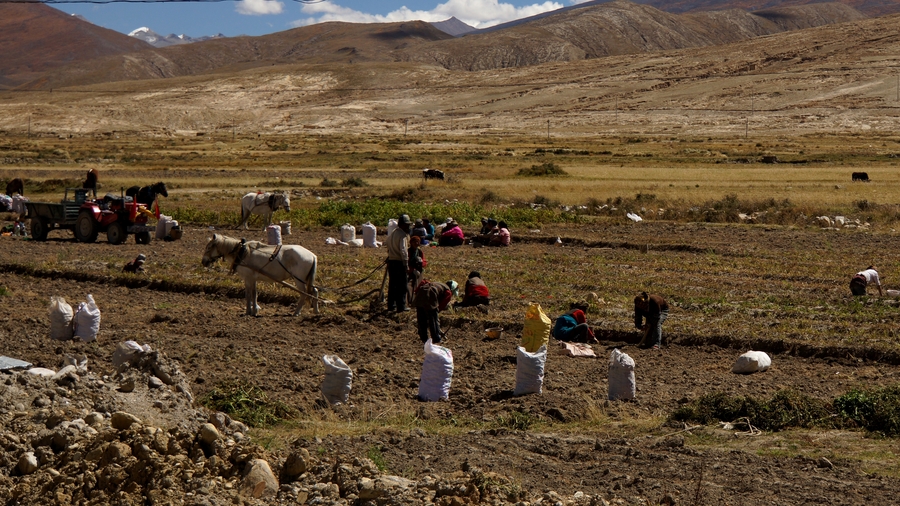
pixel 437 372
pixel 273 235
pixel 348 232
pixel 370 235
pixel 621 376
pixel 162 226
pixel 751 362
pixel 536 332
pixel 530 371
pixel 60 319
pixel 338 380
pixel 86 322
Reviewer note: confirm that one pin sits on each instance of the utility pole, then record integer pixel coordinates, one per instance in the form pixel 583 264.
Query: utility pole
pixel 548 129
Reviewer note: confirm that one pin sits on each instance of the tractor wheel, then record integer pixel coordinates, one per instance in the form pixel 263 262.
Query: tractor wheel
pixel 39 229
pixel 116 233
pixel 142 238
pixel 86 228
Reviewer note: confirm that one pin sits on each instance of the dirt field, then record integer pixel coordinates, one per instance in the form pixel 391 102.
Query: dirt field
pixel 567 440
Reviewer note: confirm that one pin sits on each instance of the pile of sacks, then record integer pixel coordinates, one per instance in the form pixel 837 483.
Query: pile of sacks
pixel 369 235
pixel 82 323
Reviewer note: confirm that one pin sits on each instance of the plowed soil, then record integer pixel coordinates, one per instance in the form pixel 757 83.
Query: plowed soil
pixel 571 439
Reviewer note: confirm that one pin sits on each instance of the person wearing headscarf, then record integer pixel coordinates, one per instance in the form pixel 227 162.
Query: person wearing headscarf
pixel 429 299
pixel 572 327
pixel 655 310
pixel 452 235
pixel 476 292
pixel 859 283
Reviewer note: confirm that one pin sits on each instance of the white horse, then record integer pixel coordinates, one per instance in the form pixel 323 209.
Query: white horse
pixel 253 261
pixel 263 204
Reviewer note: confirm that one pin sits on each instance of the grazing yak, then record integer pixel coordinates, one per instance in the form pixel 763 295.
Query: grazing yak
pixel 433 174
pixel 860 176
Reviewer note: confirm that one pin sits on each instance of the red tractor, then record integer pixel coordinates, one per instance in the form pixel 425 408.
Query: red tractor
pixel 117 216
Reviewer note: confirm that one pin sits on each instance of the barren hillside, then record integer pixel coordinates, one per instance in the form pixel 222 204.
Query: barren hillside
pixel 35 37
pixel 834 78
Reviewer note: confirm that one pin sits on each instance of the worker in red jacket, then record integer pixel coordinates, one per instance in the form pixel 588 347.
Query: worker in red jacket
pixel 476 292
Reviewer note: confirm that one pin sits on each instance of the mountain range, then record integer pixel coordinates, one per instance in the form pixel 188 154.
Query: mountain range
pixel 590 30
pixel 156 40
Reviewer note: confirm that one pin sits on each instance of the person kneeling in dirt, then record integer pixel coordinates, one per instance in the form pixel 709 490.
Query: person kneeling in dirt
pixel 860 282
pixel 429 299
pixel 476 292
pixel 655 310
pixel 572 327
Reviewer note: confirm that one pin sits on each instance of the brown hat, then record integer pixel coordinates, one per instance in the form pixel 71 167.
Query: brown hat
pixel 404 220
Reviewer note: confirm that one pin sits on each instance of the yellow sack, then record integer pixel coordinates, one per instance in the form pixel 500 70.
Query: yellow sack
pixel 536 332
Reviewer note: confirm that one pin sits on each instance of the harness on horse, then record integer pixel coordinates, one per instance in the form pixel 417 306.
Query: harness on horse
pixel 272 202
pixel 240 253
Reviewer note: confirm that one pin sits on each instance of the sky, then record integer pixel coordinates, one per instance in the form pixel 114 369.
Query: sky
pixel 259 17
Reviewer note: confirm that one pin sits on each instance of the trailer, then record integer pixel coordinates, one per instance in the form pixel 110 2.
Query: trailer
pixel 116 216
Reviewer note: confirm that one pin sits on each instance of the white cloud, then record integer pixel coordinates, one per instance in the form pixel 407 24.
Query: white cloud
pixel 478 13
pixel 259 7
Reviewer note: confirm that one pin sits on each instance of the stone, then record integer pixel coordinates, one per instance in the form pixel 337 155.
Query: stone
pixel 259 481
pixel 94 418
pixel 121 420
pixel 296 463
pixel 126 385
pixel 208 433
pixel 154 382
pixel 28 464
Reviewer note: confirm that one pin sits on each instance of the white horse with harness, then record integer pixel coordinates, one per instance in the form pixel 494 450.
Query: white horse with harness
pixel 253 261
pixel 264 204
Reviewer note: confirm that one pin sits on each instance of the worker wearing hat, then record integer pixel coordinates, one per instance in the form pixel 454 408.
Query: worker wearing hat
pixel 398 258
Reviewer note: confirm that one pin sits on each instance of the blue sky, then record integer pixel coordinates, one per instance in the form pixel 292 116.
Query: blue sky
pixel 258 17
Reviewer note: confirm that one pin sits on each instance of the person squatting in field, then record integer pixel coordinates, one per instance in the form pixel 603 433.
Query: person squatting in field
pixel 476 292
pixel 429 299
pixel 572 327
pixel 397 265
pixel 655 310
pixel 860 282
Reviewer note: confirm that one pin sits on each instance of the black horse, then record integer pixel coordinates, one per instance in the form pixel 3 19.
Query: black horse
pixel 147 194
pixel 15 186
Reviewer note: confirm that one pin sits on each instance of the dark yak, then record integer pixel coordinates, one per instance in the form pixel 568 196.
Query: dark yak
pixel 433 174
pixel 860 176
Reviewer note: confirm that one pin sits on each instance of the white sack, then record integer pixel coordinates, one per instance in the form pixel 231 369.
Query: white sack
pixel 621 376
pixel 162 229
pixel 392 225
pixel 18 205
pixel 273 235
pixel 356 242
pixel 370 235
pixel 338 380
pixel 530 370
pixel 348 232
pixel 170 224
pixel 60 319
pixel 285 228
pixel 86 323
pixel 129 353
pixel 437 371
pixel 751 362
pixel 41 371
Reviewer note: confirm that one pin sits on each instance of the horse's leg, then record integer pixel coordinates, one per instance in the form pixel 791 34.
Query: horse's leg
pixel 251 296
pixel 315 300
pixel 245 217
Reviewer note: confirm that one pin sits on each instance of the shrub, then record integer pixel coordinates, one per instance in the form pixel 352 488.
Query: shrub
pixel 329 183
pixel 544 169
pixel 874 410
pixel 354 182
pixel 247 403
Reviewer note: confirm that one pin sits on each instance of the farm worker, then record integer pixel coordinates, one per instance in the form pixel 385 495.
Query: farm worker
pixel 429 230
pixel 655 310
pixel 452 235
pixel 397 261
pixel 429 299
pixel 415 265
pixel 502 237
pixel 476 292
pixel 419 231
pixel 572 327
pixel 488 231
pixel 862 279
